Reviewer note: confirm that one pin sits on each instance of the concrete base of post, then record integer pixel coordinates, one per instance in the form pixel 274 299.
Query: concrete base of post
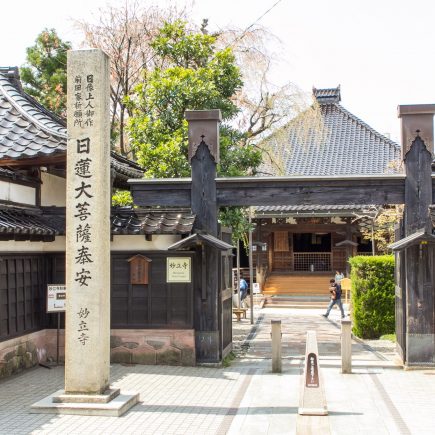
pixel 346 346
pixel 110 404
pixel 276 346
pixel 312 398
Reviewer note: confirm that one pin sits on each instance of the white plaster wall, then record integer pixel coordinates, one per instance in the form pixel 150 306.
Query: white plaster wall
pixel 12 246
pixel 17 193
pixel 132 243
pixel 53 190
pixel 120 243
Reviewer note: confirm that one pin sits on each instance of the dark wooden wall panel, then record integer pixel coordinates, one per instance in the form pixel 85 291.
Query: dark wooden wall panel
pixel 153 305
pixel 23 284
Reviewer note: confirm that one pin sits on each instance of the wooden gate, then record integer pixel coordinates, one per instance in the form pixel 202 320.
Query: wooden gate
pixel 400 299
pixel 226 298
pixel 205 193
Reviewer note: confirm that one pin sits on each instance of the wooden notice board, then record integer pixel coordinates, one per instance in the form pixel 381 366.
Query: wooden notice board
pixel 139 269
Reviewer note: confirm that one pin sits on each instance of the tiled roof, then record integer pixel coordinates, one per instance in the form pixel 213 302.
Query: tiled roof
pixel 276 210
pixel 194 239
pixel 24 225
pixel 329 95
pixel 346 145
pixel 27 224
pixel 28 130
pixel 137 221
pixel 125 167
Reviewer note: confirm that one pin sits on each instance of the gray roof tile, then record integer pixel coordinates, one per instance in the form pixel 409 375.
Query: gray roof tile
pixel 27 129
pixel 347 146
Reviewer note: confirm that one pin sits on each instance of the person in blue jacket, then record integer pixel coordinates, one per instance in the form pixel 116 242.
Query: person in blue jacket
pixel 243 289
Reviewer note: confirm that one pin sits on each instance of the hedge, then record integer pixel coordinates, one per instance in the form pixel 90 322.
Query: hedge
pixel 372 295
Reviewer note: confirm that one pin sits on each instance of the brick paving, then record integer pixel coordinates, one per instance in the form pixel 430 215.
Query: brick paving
pixel 245 398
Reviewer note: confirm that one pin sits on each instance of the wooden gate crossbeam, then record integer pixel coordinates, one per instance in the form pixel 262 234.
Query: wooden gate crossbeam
pixel 257 191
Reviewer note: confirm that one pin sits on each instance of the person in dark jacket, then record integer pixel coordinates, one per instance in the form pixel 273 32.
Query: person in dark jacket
pixel 335 290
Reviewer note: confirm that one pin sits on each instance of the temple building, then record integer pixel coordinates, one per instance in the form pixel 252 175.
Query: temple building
pixel 304 245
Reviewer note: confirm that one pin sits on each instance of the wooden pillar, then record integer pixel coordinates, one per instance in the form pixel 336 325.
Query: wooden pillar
pixel 349 248
pixel 420 348
pixel 204 156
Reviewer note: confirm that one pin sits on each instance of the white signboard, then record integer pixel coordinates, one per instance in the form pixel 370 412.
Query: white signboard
pixel 56 298
pixel 178 269
pixel 256 287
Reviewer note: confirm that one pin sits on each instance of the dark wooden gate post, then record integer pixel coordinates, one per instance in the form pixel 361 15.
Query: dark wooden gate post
pixel 204 156
pixel 418 258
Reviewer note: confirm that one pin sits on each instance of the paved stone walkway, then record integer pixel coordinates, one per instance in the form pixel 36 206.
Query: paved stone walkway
pixel 245 398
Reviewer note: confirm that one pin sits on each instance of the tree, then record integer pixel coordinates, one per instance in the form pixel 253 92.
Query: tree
pixel 44 75
pixel 380 226
pixel 192 74
pixel 125 34
pixel 268 111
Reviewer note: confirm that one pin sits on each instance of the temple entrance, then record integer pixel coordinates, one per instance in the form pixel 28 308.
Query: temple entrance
pixel 301 252
pixel 311 252
pixel 324 245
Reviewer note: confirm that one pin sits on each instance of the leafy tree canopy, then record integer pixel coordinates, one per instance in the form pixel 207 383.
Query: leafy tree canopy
pixel 44 75
pixel 192 74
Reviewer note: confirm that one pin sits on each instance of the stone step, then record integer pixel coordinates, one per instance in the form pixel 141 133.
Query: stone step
pixel 298 284
pixel 292 301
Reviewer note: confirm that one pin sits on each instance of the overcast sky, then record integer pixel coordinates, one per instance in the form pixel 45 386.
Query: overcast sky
pixel 381 52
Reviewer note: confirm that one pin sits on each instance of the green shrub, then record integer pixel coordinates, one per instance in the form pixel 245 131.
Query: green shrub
pixel 372 295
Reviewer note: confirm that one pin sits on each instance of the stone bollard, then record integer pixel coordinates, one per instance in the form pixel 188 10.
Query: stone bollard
pixel 276 346
pixel 312 399
pixel 346 346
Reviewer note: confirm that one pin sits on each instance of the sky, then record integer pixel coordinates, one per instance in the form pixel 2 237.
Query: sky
pixel 381 52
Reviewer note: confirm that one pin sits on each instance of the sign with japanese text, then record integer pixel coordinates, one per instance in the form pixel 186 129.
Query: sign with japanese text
pixel 139 269
pixel 56 298
pixel 88 221
pixel 178 269
pixel 312 374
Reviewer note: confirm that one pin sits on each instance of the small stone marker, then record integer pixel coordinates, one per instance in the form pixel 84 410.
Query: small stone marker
pixel 312 398
pixel 276 346
pixel 87 329
pixel 346 346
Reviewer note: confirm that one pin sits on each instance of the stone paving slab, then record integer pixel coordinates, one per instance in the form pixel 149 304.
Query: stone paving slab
pixel 174 400
pixel 245 398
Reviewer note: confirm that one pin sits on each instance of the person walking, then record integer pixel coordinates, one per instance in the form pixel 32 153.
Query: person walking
pixel 335 290
pixel 243 290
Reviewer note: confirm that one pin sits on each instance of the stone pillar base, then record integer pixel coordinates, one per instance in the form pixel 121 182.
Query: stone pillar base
pixel 110 404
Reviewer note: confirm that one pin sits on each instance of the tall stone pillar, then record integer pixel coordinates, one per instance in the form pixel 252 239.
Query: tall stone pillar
pixel 87 348
pixel 87 326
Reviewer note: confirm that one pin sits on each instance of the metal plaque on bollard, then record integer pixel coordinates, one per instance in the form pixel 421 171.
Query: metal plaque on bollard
pixel 312 398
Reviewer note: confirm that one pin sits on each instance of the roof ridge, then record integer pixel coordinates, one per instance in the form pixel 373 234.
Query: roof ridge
pixel 126 160
pixel 365 125
pixel 14 100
